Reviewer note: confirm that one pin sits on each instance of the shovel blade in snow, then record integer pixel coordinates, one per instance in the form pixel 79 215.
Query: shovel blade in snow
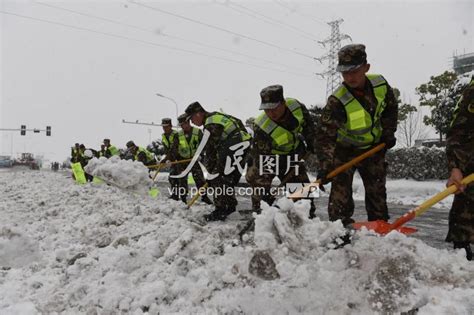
pixel 382 227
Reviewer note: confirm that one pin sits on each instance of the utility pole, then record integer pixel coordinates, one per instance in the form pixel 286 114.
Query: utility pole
pixel 334 41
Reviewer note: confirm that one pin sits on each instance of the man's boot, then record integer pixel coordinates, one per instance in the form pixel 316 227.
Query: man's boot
pixel 466 246
pixel 206 199
pixel 230 209
pixel 216 215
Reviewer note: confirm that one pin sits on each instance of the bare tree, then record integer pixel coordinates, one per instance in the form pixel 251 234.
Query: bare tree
pixel 411 127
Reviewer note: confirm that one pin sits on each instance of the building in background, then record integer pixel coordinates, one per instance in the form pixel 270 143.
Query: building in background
pixel 463 63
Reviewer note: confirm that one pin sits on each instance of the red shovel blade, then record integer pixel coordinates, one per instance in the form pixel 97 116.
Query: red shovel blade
pixel 382 227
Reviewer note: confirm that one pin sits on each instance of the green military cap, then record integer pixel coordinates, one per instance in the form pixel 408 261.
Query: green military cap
pixel 193 108
pixel 271 97
pixel 183 118
pixel 166 122
pixel 351 57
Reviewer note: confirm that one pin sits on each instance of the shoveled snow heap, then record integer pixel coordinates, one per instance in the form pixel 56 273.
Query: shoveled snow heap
pixel 125 174
pixel 96 249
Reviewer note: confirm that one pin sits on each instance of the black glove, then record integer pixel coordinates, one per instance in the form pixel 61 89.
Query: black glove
pixel 389 141
pixel 323 180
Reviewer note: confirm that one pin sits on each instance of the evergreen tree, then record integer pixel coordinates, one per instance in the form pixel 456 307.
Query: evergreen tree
pixel 438 94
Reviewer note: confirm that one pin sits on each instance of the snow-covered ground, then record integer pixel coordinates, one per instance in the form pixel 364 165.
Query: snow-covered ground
pixel 407 192
pixel 97 249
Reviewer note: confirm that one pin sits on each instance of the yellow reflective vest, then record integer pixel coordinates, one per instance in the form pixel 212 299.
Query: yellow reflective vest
pixel 149 155
pixel 283 141
pixel 168 140
pixel 231 125
pixel 187 148
pixel 360 129
pixel 113 150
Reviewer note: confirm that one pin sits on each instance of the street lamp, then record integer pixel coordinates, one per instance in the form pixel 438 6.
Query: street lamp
pixel 175 103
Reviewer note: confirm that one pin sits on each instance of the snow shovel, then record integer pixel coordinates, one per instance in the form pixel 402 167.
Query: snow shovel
pixel 160 165
pixel 301 192
pixel 382 227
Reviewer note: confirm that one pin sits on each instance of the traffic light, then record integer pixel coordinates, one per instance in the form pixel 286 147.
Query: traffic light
pixel 23 130
pixel 48 131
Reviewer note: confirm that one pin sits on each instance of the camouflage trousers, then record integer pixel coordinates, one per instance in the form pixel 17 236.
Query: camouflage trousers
pixel 267 194
pixel 461 217
pixel 179 186
pixel 224 184
pixel 373 172
pixel 198 176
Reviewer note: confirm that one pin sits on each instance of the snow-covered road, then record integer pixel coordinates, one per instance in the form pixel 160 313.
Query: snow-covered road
pixel 95 249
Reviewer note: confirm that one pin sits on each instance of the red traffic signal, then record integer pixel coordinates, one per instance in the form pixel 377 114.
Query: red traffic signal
pixel 48 131
pixel 23 130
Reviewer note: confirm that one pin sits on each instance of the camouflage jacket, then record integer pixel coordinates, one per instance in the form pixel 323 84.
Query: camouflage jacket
pixel 460 138
pixel 262 142
pixel 334 117
pixel 215 143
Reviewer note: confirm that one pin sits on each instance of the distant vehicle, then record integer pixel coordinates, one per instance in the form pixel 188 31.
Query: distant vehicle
pixel 27 159
pixel 5 161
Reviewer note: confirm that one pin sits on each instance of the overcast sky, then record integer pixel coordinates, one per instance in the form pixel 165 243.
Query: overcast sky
pixel 83 75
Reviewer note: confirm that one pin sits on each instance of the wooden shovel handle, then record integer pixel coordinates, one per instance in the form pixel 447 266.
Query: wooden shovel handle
pixel 338 170
pixel 430 202
pixel 196 196
pixel 169 163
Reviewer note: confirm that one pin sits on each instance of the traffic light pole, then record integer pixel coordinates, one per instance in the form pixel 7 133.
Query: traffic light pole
pixel 23 130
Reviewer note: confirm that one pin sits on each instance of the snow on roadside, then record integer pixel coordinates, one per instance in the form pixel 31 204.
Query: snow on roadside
pixel 402 191
pixel 98 249
pixel 126 174
pixel 408 192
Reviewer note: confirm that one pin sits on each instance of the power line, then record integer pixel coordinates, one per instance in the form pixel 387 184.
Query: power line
pixel 299 13
pixel 150 43
pixel 166 35
pixel 255 14
pixel 221 29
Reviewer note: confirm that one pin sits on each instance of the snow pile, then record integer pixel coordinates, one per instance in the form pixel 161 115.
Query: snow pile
pixel 16 249
pixel 97 249
pixel 125 174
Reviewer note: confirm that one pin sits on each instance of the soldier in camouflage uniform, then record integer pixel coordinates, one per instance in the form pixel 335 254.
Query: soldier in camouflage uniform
pixel 75 153
pixel 460 153
pixel 189 138
pixel 110 150
pixel 228 142
pixel 170 142
pixel 103 150
pixel 361 112
pixel 285 131
pixel 140 154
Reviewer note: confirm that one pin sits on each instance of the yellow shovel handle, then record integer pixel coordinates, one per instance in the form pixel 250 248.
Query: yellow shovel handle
pixel 196 196
pixel 299 194
pixel 169 163
pixel 428 203
pixel 440 196
pixel 157 171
